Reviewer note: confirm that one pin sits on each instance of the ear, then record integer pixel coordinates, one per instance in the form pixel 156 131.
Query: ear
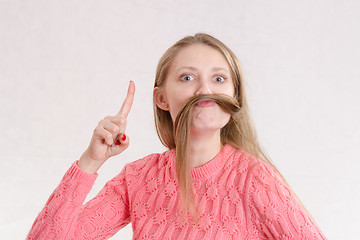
pixel 160 99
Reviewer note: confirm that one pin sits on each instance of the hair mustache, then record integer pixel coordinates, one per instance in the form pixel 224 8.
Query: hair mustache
pixel 227 103
pixel 182 140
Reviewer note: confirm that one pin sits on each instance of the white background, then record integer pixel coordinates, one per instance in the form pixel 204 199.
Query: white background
pixel 64 65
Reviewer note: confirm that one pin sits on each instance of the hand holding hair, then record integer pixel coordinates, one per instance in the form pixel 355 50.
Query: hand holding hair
pixel 109 137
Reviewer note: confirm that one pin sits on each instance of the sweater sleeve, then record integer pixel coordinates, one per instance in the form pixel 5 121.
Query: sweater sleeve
pixel 275 209
pixel 65 217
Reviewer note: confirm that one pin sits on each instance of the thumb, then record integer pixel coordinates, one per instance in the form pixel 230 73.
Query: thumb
pixel 122 142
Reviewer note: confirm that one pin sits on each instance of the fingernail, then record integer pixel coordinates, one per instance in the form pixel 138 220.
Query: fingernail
pixel 117 142
pixel 123 137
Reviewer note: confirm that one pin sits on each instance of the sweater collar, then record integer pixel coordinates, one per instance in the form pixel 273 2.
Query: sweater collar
pixel 215 165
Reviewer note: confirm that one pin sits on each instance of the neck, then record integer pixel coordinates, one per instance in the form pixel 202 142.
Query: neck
pixel 204 147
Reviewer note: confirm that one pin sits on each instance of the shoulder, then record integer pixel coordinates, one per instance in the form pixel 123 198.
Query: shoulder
pixel 253 165
pixel 265 186
pixel 255 173
pixel 244 162
pixel 150 163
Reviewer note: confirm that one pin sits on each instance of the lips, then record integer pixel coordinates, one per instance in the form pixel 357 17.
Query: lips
pixel 205 103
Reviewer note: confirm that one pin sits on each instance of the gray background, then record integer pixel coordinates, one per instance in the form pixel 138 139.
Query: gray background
pixel 64 65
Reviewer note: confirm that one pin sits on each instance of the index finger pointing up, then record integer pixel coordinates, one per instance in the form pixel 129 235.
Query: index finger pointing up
pixel 126 106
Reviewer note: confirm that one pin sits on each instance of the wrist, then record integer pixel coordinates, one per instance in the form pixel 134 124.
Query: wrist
pixel 88 165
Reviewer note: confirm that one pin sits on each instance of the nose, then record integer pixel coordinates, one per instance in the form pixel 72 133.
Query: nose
pixel 203 88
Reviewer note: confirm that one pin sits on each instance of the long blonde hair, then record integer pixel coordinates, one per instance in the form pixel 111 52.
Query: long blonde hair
pixel 239 132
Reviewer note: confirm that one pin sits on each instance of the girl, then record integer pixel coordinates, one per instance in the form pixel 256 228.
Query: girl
pixel 214 182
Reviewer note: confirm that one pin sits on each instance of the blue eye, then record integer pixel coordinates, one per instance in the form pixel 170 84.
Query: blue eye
pixel 219 79
pixel 187 78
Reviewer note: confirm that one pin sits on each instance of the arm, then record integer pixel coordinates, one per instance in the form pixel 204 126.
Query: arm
pixel 276 210
pixel 65 217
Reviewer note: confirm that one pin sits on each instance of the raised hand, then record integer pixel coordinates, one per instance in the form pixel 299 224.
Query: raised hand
pixel 109 137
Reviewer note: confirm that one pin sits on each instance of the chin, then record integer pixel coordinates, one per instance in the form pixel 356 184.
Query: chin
pixel 210 123
pixel 207 127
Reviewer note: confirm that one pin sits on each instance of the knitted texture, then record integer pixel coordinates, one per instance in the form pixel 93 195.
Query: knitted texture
pixel 239 197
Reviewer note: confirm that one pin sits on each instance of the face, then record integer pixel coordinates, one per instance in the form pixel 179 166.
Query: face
pixel 197 69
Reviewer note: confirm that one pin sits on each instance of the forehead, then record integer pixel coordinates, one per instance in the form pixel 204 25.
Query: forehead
pixel 200 56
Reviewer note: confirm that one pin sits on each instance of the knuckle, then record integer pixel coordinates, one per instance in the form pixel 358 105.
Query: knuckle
pixel 101 123
pixel 97 129
pixel 115 129
pixel 109 136
pixel 122 121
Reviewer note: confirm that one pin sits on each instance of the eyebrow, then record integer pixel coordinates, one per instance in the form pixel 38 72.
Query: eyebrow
pixel 219 69
pixel 214 69
pixel 189 68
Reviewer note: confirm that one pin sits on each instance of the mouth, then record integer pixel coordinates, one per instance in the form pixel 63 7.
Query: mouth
pixel 205 103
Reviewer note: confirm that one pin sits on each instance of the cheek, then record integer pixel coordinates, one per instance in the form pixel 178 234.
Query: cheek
pixel 175 108
pixel 222 119
pixel 176 103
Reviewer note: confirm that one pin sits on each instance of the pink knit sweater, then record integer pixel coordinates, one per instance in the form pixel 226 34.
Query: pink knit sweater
pixel 239 196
